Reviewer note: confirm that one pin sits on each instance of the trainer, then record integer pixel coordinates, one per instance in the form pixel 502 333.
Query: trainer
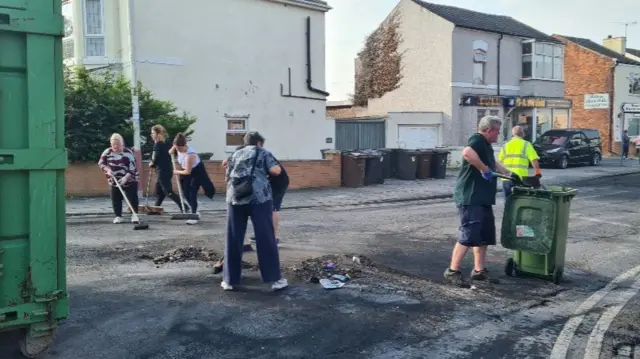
pixel 475 194
pixel 515 155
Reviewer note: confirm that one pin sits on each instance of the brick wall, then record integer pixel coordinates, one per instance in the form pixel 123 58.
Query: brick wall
pixel 86 179
pixel 587 72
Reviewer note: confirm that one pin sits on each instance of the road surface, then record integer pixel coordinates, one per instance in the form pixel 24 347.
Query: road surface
pixel 125 306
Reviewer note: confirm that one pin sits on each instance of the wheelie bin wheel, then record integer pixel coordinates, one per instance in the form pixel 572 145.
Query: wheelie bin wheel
pixel 510 267
pixel 556 276
pixel 32 347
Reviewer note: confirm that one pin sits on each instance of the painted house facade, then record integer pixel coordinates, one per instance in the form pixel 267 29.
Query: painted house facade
pixel 604 86
pixel 227 63
pixel 466 64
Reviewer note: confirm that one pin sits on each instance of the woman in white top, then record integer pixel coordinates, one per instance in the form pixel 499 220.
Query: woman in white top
pixel 193 174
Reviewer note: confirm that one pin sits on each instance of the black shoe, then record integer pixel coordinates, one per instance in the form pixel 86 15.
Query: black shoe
pixel 218 267
pixel 455 278
pixel 483 275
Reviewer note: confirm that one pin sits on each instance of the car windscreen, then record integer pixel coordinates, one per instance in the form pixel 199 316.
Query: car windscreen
pixel 556 139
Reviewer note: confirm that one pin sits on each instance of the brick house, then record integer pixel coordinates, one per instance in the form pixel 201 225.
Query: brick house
pixel 604 86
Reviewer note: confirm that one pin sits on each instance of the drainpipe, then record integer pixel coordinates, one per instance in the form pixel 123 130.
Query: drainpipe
pixel 612 109
pixel 309 83
pixel 499 43
pixel 135 105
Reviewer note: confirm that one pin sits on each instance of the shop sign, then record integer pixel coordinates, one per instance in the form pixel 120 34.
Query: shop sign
pixel 530 102
pixel 558 103
pixel 631 107
pixel 487 101
pixel 596 101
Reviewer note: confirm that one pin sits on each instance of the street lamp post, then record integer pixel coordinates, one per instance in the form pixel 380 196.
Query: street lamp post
pixel 135 103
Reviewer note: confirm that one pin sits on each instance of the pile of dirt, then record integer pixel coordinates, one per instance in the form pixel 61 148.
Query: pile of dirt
pixel 314 269
pixel 187 253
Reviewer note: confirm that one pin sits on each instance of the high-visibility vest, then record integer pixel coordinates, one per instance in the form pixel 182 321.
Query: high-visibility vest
pixel 514 156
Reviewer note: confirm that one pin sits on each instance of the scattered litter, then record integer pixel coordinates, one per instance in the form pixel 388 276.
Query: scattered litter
pixel 314 280
pixel 329 266
pixel 342 278
pixel 473 287
pixel 356 260
pixel 331 283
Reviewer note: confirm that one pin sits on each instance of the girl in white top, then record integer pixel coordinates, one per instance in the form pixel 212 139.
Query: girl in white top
pixel 193 174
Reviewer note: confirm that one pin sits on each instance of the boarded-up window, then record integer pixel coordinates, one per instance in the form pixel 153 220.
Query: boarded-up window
pixel 236 129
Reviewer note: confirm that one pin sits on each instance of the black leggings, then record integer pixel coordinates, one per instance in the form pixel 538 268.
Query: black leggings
pixel 165 189
pixel 131 191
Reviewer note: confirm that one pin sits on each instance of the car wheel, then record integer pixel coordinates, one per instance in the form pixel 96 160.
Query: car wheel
pixel 563 162
pixel 595 159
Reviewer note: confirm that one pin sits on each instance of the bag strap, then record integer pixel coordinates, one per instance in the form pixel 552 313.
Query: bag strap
pixel 253 168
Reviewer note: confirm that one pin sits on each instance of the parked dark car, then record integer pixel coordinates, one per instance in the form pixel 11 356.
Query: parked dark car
pixel 572 146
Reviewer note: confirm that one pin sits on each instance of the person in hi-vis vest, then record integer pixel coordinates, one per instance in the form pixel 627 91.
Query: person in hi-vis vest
pixel 515 155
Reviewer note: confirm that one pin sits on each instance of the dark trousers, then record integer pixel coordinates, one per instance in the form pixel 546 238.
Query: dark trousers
pixel 507 186
pixel 165 189
pixel 625 151
pixel 131 192
pixel 190 187
pixel 268 256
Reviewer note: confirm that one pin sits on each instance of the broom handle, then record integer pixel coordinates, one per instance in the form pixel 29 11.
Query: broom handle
pixel 177 182
pixel 146 199
pixel 124 195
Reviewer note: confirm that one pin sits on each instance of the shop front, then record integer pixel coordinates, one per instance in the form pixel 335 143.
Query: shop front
pixel 475 107
pixel 537 115
pixel 631 118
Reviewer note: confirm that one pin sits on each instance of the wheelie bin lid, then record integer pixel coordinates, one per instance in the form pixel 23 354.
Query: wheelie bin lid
pixel 409 151
pixel 546 191
pixel 441 150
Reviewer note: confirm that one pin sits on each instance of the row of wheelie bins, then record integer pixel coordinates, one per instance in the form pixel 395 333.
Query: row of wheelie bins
pixel 369 167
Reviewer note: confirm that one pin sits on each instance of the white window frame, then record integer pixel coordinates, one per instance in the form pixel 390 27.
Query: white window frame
pixel 227 118
pixel 534 47
pixel 93 36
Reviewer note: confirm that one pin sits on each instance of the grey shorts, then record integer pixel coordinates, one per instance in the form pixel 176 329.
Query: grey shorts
pixel 477 226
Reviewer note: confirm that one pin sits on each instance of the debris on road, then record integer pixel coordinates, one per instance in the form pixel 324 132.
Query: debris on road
pixel 341 268
pixel 331 283
pixel 187 253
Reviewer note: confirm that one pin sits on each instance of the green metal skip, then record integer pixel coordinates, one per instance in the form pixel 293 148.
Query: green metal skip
pixel 33 293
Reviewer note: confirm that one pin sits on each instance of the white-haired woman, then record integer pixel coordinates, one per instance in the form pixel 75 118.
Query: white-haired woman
pixel 119 162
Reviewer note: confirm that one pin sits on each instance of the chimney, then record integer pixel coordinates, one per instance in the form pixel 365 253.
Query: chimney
pixel 617 44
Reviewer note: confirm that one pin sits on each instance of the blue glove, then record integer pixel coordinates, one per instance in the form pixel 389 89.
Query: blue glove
pixel 487 175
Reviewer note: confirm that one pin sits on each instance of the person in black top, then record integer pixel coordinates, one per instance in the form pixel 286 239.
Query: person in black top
pixel 161 162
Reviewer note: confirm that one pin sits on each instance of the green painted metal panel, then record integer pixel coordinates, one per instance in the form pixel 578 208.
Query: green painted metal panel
pixel 33 288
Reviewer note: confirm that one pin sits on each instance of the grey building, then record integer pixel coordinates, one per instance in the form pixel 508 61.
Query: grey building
pixel 466 64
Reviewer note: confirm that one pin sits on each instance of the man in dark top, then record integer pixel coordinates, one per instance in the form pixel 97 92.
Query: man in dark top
pixel 475 194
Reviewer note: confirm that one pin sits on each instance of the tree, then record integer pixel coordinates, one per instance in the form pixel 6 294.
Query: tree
pixel 97 105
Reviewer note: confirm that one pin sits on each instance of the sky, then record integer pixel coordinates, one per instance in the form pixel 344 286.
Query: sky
pixel 351 21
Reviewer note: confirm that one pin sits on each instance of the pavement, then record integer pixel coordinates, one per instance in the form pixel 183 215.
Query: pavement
pixel 392 190
pixel 124 306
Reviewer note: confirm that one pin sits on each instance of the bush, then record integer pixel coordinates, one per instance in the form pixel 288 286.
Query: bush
pixel 97 105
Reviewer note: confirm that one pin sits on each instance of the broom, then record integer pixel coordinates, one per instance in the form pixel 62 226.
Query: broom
pixel 147 208
pixel 181 216
pixel 138 224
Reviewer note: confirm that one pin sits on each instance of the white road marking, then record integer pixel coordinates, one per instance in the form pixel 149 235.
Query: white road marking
pixel 594 345
pixel 601 195
pixel 563 341
pixel 605 222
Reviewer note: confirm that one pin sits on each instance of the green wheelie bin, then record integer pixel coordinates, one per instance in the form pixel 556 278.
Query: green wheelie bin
pixel 33 289
pixel 534 226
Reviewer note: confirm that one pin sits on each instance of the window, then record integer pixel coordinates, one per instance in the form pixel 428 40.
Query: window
pixel 478 73
pixel 542 61
pixel 560 118
pixel 578 139
pixel 484 112
pixel 633 125
pixel 94 28
pixel 236 129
